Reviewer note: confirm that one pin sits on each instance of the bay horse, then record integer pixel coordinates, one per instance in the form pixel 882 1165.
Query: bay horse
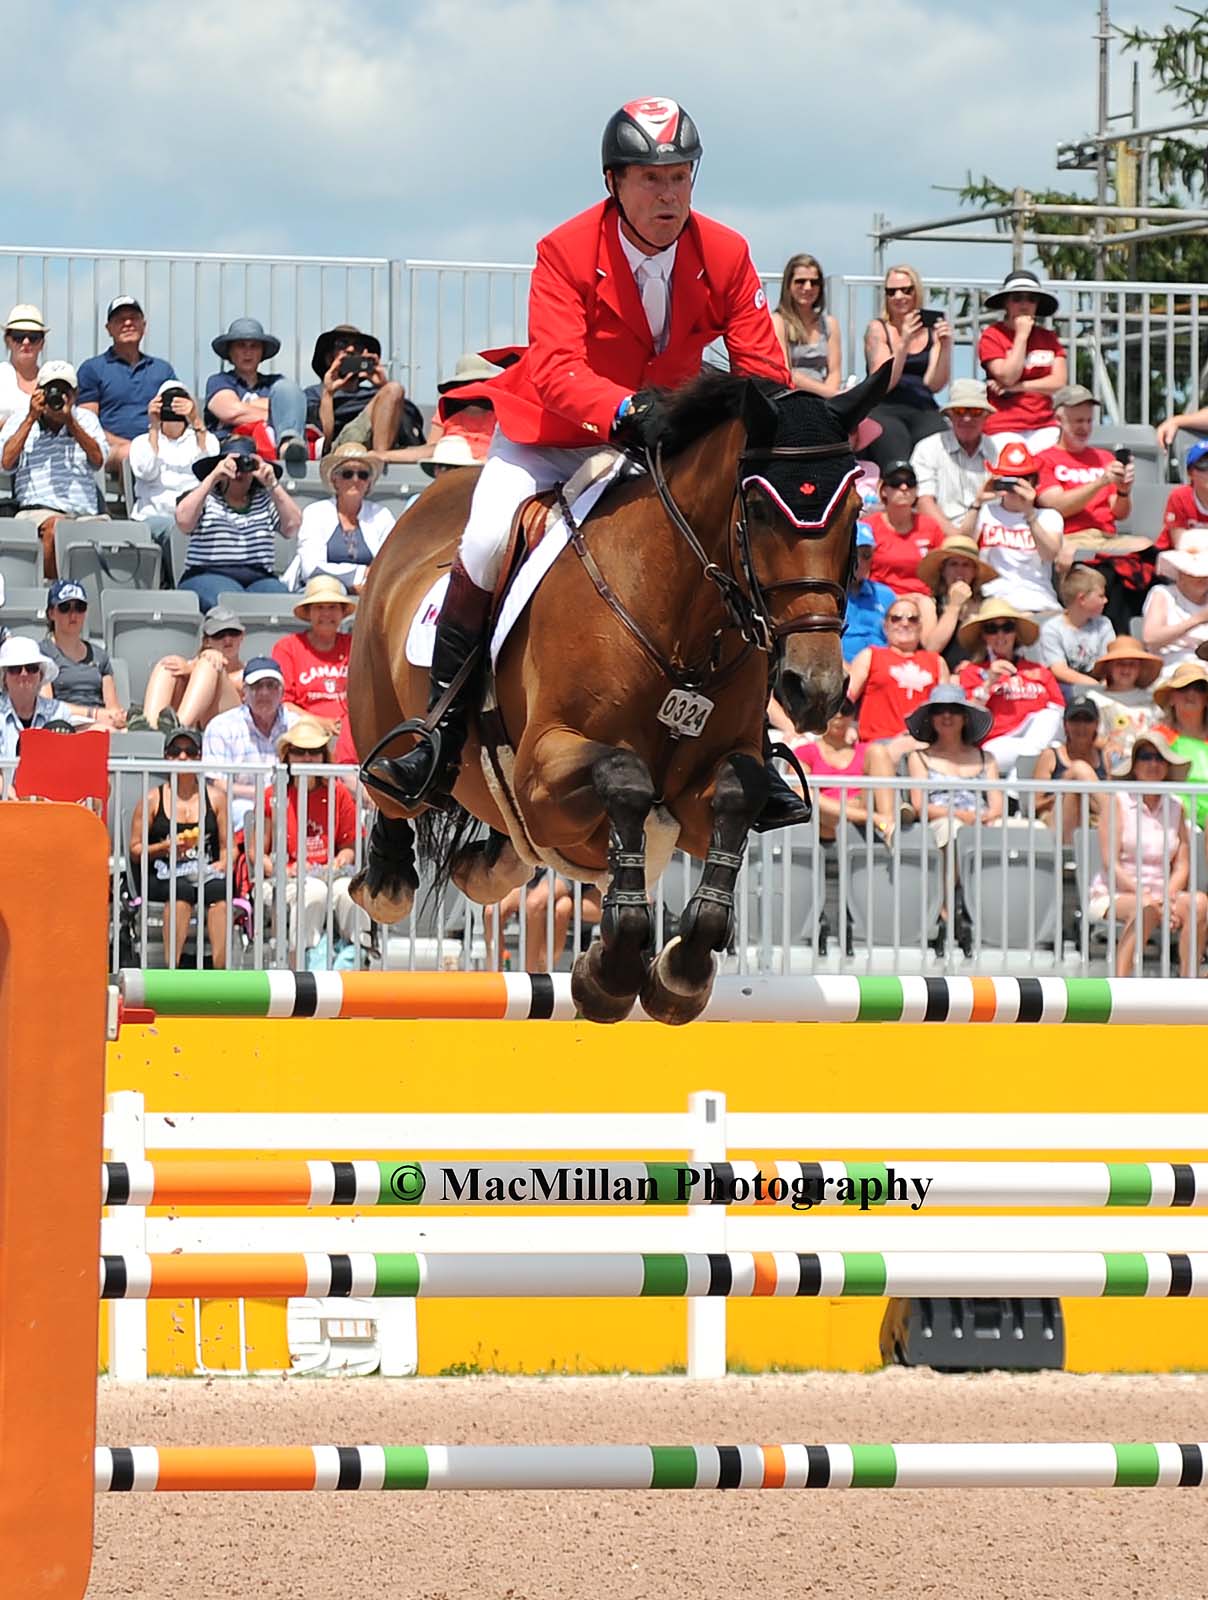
pixel 633 689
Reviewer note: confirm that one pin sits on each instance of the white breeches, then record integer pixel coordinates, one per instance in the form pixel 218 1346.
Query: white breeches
pixel 1032 736
pixel 348 920
pixel 510 473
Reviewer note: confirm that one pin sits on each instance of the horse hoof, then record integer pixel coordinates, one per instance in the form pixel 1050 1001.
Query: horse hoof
pixel 592 999
pixel 389 902
pixel 672 999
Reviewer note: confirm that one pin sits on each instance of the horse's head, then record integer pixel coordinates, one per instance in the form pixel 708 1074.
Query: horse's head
pixel 796 533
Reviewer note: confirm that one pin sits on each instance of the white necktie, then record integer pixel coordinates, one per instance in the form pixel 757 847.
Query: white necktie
pixel 653 284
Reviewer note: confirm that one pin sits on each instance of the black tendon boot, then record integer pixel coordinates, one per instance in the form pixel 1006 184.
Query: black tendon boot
pixel 784 807
pixel 428 773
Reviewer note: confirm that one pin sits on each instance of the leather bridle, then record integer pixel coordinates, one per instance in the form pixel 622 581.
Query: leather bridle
pixel 747 601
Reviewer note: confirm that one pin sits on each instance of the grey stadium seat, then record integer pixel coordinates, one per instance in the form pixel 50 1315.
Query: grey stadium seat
pixel 1141 440
pixel 766 885
pixel 267 617
pixel 913 871
pixel 107 555
pixel 995 878
pixel 20 554
pixel 142 626
pixel 1148 509
pixel 24 610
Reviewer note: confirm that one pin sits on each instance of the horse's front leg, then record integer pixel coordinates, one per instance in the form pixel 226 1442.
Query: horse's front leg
pixel 680 981
pixel 610 972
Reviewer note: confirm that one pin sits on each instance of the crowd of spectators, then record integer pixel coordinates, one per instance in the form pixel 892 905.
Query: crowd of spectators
pixel 998 615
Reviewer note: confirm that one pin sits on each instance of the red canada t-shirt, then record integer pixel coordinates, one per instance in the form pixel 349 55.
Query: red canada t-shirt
pixel 1012 699
pixel 1183 510
pixel 1069 469
pixel 316 681
pixel 322 843
pixel 895 560
pixel 1017 413
pixel 896 684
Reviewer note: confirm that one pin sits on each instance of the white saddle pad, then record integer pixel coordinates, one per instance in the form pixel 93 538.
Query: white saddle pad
pixel 596 474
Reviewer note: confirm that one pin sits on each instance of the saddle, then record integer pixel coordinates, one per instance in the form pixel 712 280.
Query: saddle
pixel 528 527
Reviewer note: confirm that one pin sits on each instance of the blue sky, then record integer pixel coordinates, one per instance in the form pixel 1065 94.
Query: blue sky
pixel 464 130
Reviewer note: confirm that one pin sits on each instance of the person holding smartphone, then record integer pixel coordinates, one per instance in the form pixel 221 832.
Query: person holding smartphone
pixel 1016 536
pixel 355 401
pixel 918 341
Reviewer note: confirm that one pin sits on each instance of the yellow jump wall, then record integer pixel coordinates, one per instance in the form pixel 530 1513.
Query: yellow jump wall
pixel 359 1066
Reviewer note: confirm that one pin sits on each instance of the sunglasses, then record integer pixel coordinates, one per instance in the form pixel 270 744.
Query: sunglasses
pixel 801 283
pixel 20 336
pixel 24 671
pixel 965 413
pixel 998 627
pixel 902 616
pixel 1147 755
pixel 185 747
pixel 353 475
pixel 72 608
pixel 226 633
pixel 907 290
pixel 900 483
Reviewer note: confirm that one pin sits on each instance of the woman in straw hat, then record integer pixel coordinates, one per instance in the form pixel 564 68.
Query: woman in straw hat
pixel 24 339
pixel 955 574
pixel 1184 702
pixel 340 537
pixel 1145 850
pixel 317 873
pixel 1022 697
pixel 315 663
pixel 1176 618
pixel 1124 677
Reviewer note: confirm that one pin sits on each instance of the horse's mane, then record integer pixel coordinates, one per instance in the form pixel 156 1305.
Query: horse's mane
pixel 704 404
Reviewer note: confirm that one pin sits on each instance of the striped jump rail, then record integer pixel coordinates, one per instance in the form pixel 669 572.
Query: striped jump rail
pixel 309 1468
pixel 513 997
pixel 736 1275
pixel 902 1183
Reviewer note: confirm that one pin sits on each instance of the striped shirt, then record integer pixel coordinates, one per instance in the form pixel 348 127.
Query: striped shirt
pixel 225 537
pixel 53 470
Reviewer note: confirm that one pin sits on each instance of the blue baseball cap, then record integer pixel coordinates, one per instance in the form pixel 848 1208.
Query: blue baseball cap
pixel 259 668
pixel 865 538
pixel 1196 454
pixel 63 589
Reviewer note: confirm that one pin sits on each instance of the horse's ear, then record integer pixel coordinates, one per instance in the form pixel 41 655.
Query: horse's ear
pixel 851 406
pixel 759 416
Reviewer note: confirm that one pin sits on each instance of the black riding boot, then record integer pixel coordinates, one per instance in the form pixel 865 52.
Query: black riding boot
pixel 784 807
pixel 429 772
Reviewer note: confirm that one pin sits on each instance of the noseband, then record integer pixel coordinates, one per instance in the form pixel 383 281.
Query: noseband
pixel 747 600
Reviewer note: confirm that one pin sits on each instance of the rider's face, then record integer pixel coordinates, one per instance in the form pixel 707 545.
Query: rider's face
pixel 656 200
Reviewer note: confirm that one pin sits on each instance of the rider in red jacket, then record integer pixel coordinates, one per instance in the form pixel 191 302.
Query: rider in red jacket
pixel 624 300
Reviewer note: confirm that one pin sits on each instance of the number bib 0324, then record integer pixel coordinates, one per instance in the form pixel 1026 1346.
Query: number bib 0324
pixel 685 713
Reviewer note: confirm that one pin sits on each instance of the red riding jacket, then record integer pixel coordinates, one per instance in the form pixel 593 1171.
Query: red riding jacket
pixel 589 341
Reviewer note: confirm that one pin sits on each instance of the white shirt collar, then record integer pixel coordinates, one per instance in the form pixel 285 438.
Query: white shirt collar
pixel 636 258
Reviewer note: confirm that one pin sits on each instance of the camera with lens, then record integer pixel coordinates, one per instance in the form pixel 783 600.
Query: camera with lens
pixel 168 406
pixel 359 366
pixel 245 464
pixel 56 393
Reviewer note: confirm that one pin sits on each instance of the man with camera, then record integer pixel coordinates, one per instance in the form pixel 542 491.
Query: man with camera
pixel 356 403
pixel 54 449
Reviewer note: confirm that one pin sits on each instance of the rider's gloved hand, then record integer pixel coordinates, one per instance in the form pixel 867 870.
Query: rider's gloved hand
pixel 640 421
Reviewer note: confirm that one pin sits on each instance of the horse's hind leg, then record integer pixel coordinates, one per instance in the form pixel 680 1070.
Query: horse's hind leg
pixel 489 868
pixel 609 973
pixel 680 981
pixel 385 886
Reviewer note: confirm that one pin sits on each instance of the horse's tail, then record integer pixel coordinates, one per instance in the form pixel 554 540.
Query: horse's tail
pixel 441 837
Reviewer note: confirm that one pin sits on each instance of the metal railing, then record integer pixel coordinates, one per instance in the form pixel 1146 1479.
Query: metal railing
pixel 1133 337
pixel 869 889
